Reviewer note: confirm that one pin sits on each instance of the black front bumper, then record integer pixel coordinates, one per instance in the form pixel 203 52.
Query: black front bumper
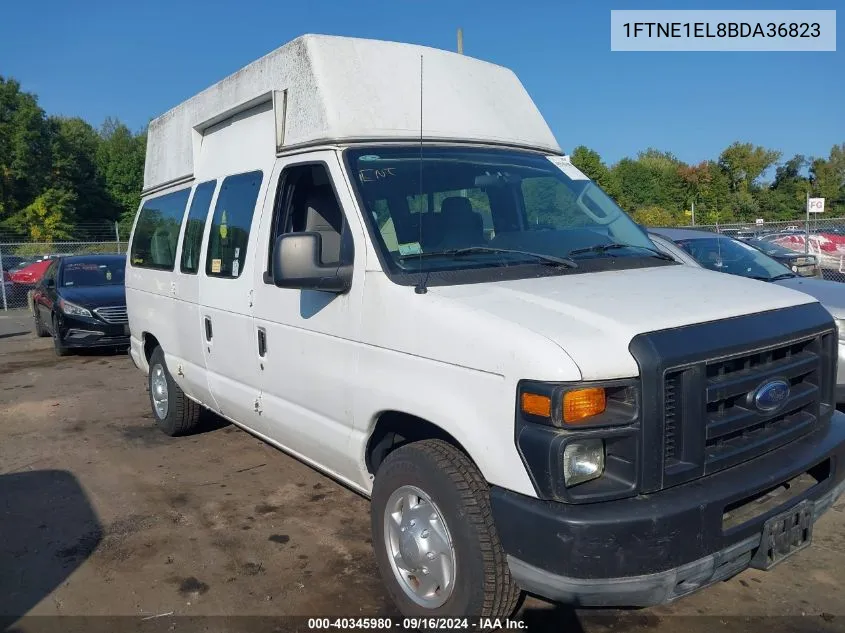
pixel 655 548
pixel 82 332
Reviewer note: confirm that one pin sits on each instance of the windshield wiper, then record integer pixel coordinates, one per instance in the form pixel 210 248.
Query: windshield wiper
pixel 472 250
pixel 601 248
pixel 783 276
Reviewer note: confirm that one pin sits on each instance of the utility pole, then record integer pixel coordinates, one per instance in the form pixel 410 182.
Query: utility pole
pixel 807 229
pixel 693 212
pixel 460 41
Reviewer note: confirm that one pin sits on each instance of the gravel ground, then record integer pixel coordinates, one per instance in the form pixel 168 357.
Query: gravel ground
pixel 104 518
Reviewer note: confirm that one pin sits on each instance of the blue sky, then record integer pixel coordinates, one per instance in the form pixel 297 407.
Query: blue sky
pixel 134 60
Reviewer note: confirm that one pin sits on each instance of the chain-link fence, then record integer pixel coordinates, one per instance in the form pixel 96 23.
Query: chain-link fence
pixel 25 258
pixel 821 238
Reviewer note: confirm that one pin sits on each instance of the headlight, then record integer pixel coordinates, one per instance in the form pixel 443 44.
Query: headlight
pixel 71 309
pixel 582 461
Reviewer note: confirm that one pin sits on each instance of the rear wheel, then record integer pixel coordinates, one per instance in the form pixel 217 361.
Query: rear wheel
pixel 435 542
pixel 175 413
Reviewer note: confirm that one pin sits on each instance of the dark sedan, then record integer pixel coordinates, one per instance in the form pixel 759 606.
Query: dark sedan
pixel 804 265
pixel 81 302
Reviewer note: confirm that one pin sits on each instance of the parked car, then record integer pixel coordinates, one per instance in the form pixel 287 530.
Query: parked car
pixel 556 407
pixel 720 253
pixel 81 302
pixel 799 263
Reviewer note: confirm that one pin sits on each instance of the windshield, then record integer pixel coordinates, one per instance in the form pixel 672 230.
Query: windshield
pixel 445 209
pixel 727 255
pixel 104 272
pixel 770 248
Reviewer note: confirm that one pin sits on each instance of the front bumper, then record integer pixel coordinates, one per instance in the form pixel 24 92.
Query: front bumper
pixel 653 549
pixel 80 332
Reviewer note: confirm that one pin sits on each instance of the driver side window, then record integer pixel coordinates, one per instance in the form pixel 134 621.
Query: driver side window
pixel 306 202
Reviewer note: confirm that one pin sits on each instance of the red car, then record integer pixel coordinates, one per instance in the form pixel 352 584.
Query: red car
pixel 26 278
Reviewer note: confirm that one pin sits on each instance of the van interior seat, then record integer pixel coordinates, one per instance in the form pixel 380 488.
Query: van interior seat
pixel 463 226
pixel 161 250
pixel 323 215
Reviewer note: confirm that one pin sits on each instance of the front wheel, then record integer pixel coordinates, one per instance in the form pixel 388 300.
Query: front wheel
pixel 435 542
pixel 60 348
pixel 175 413
pixel 40 330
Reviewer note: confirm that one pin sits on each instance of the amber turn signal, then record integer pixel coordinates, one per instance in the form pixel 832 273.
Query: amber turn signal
pixel 534 404
pixel 583 403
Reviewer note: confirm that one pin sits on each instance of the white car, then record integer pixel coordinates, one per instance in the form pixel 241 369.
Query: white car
pixel 376 257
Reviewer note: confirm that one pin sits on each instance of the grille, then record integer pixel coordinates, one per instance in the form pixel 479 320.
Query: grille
pixel 113 314
pixel 735 428
pixel 670 417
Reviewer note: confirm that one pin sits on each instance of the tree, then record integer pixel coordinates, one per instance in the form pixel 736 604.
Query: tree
pixel 744 163
pixel 75 145
pixel 48 218
pixel 654 216
pixel 589 161
pixel 24 148
pixel 120 161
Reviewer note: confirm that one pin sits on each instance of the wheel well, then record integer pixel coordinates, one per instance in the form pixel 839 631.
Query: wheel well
pixel 394 429
pixel 150 343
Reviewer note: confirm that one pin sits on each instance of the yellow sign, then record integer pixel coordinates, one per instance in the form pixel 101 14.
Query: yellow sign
pixel 224 228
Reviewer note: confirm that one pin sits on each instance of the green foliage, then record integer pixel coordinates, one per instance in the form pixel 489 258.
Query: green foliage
pixel 655 216
pixel 49 218
pixel 657 188
pixel 59 174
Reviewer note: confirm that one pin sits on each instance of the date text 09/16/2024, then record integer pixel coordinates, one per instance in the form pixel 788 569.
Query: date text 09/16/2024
pixel 468 624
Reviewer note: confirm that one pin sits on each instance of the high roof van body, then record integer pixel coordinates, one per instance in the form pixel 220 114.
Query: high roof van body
pixel 377 258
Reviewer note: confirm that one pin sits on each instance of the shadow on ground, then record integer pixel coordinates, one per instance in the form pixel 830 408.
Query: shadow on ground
pixel 48 528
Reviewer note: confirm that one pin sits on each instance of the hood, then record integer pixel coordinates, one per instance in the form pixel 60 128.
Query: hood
pixel 593 317
pixel 831 294
pixel 94 296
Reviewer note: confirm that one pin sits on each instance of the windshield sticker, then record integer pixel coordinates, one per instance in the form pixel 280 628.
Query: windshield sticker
pixel 564 164
pixel 215 266
pixel 236 267
pixel 411 248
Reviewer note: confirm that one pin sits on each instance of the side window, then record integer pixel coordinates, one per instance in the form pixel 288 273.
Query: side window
pixel 157 231
pixel 307 202
pixel 230 225
pixel 195 225
pixel 50 273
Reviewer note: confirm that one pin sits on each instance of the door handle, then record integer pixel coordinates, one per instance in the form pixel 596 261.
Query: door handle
pixel 208 331
pixel 262 342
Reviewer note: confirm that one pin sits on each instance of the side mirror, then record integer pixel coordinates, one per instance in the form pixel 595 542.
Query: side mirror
pixel 49 283
pixel 296 264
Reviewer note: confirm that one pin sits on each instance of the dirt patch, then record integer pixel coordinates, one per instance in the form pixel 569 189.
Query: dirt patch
pixel 221 524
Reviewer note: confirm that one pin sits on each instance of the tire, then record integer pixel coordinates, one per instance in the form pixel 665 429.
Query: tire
pixel 481 583
pixel 61 350
pixel 180 415
pixel 40 330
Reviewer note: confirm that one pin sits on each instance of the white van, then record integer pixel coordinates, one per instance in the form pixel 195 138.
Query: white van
pixel 376 257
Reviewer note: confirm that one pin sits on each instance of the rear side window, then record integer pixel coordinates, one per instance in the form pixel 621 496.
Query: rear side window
pixel 195 225
pixel 157 231
pixel 229 234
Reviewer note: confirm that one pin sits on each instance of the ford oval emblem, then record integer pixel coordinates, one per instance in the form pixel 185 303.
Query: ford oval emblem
pixel 771 395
